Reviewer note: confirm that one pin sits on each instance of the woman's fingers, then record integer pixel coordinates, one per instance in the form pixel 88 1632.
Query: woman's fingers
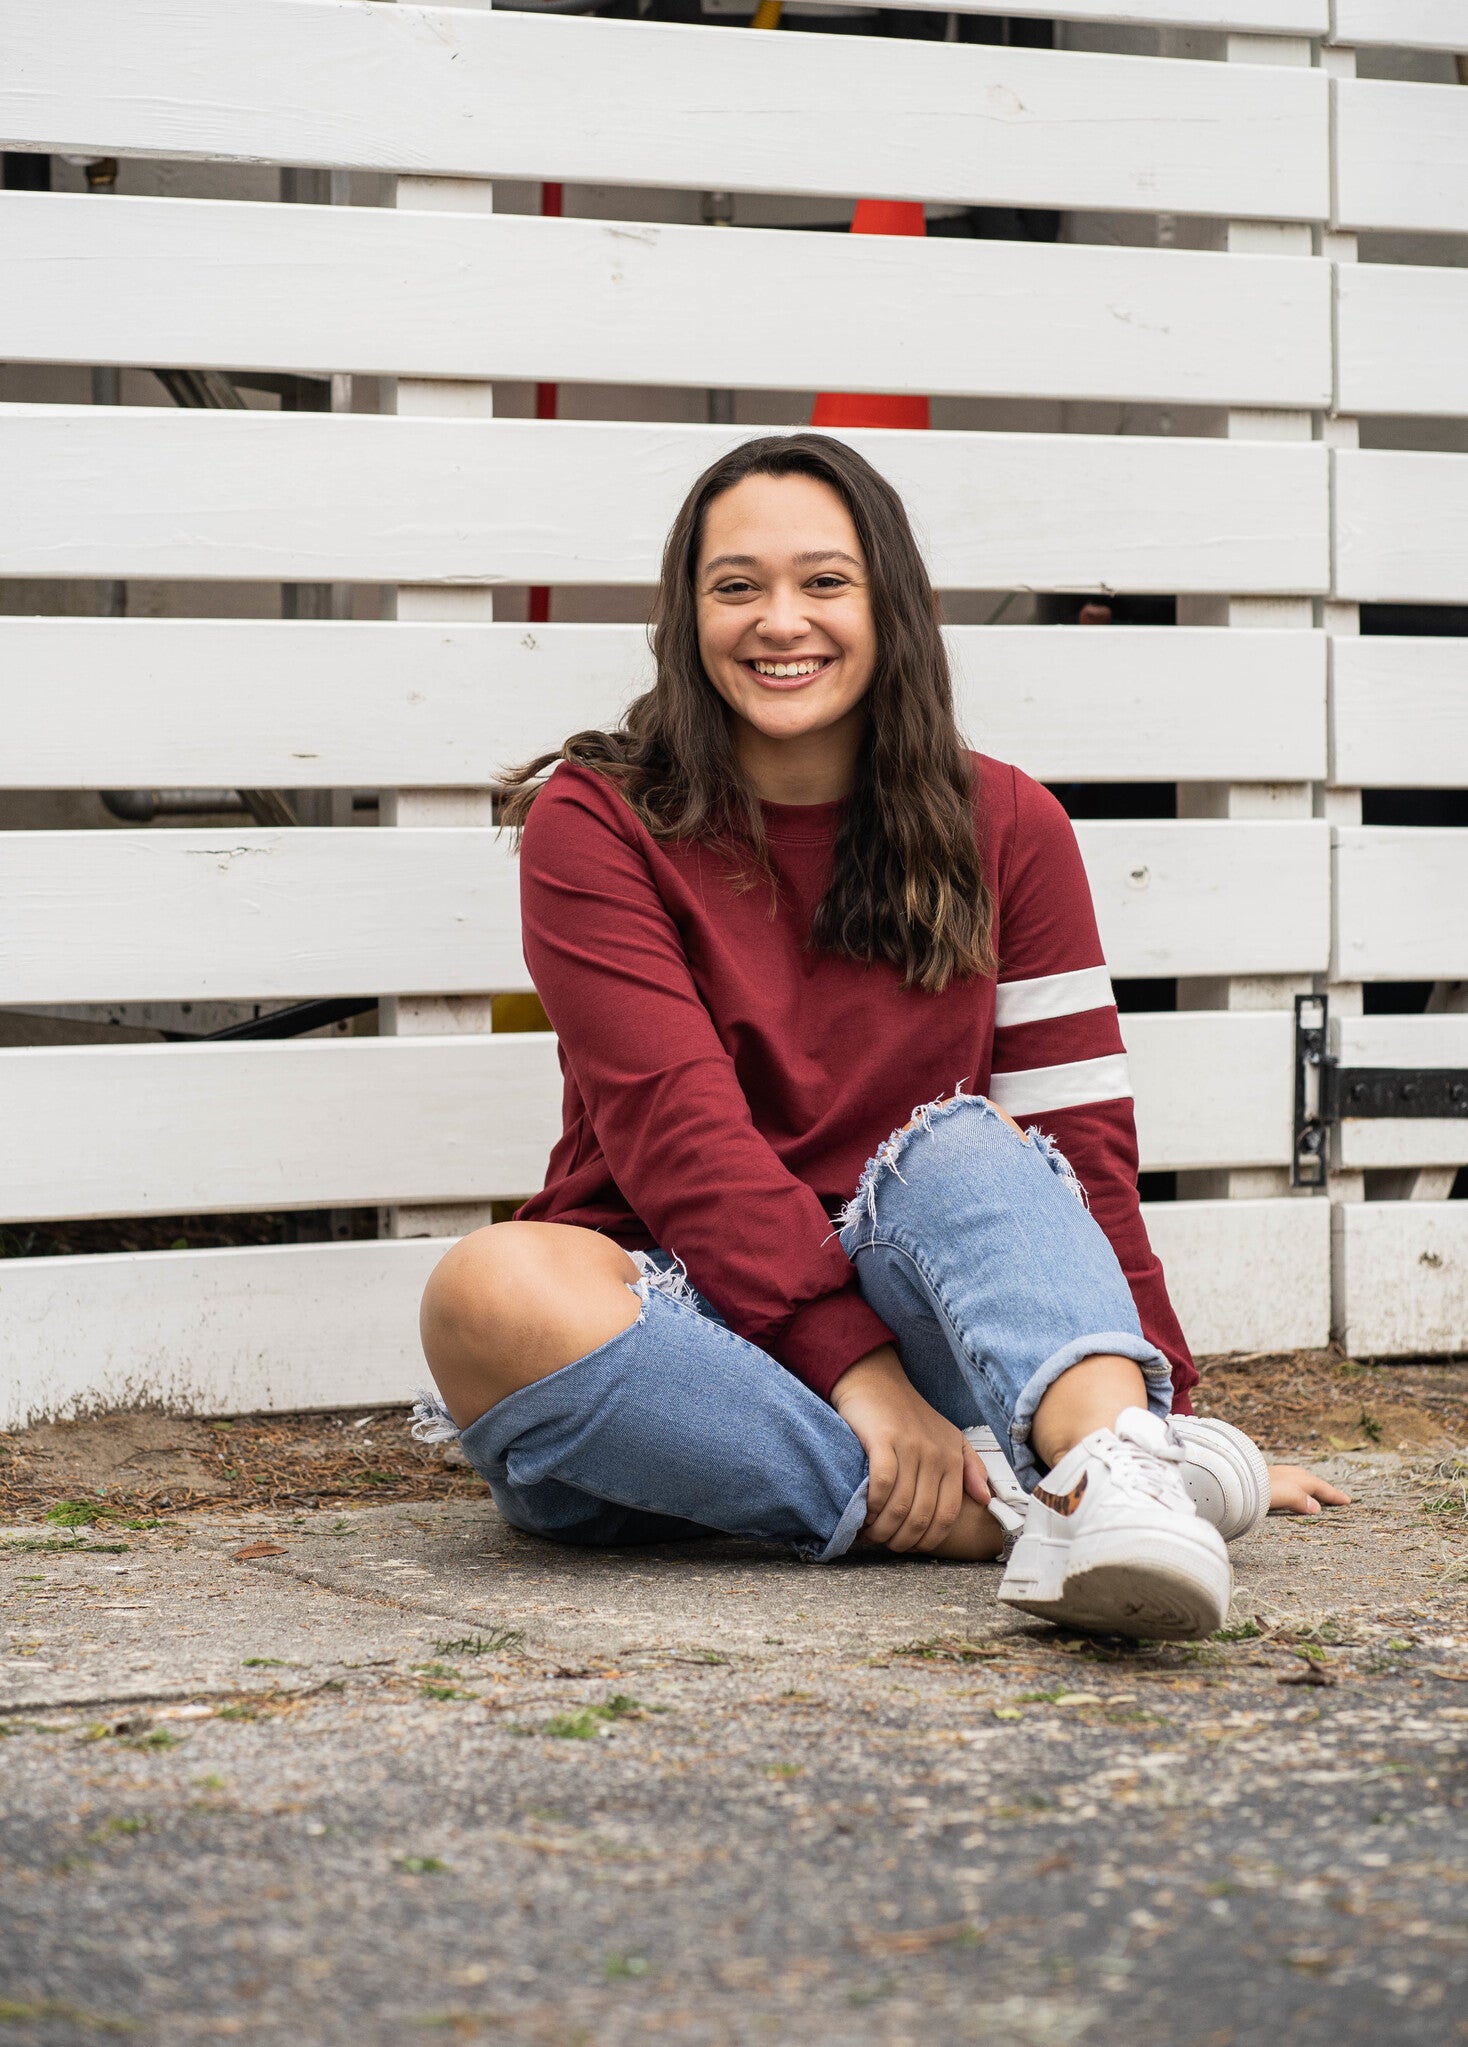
pixel 921 1507
pixel 975 1477
pixel 945 1511
pixel 1293 1490
pixel 882 1526
pixel 881 1477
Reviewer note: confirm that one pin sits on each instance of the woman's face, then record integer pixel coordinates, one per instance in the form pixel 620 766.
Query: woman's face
pixel 784 609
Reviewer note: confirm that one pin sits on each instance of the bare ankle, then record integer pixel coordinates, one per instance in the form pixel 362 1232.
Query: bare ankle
pixel 1087 1397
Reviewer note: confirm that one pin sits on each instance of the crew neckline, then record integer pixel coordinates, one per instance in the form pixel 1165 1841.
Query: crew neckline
pixel 802 823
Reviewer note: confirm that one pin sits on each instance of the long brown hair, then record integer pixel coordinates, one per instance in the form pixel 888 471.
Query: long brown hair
pixel 907 884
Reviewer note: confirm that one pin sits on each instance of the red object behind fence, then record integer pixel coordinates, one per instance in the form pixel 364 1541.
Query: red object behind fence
pixel 869 408
pixel 545 408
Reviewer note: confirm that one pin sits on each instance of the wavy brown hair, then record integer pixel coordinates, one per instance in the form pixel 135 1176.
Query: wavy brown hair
pixel 907 885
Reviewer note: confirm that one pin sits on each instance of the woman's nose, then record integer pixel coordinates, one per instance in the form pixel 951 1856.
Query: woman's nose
pixel 784 617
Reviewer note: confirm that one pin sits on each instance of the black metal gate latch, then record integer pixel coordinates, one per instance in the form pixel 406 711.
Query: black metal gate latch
pixel 1326 1091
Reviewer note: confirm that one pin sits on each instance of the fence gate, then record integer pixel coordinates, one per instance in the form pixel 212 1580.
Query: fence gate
pixel 1193 313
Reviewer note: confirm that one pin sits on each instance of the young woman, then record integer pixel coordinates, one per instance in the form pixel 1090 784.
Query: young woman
pixel 777 907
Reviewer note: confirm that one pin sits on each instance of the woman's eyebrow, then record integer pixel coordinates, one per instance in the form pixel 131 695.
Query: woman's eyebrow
pixel 749 561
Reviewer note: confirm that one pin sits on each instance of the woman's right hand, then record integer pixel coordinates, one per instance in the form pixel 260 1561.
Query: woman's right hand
pixel 920 1466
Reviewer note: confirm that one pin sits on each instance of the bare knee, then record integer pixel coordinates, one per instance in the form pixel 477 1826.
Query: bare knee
pixel 513 1302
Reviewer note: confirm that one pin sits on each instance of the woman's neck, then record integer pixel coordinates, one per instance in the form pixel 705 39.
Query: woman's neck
pixel 813 767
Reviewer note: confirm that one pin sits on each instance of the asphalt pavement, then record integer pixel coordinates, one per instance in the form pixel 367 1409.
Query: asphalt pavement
pixel 400 1773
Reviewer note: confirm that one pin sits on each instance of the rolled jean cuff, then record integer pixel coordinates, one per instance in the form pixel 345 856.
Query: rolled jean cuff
pixel 847 1528
pixel 1119 1343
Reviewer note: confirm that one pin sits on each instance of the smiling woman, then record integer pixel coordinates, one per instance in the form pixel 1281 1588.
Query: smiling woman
pixel 777 904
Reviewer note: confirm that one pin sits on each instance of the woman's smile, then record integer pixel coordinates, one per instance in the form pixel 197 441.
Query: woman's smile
pixel 791 673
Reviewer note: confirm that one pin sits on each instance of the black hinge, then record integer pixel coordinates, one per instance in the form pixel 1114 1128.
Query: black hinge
pixel 1326 1091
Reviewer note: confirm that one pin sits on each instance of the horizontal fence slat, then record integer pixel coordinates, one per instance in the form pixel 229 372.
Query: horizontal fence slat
pixel 350 1122
pixel 171 1129
pixel 1399 914
pixel 1406 1140
pixel 377 292
pixel 1403 24
pixel 1399 712
pixel 268 1329
pixel 258 703
pixel 297 497
pixel 271 1329
pixel 490 94
pixel 1213 1087
pixel 250 913
pixel 1246 1275
pixel 1210 897
pixel 1401 155
pixel 1401 525
pixel 1402 338
pixel 1265 17
pixel 1402 1269
pixel 264 914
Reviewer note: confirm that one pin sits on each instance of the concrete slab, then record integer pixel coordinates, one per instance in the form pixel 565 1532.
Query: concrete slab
pixel 351 1776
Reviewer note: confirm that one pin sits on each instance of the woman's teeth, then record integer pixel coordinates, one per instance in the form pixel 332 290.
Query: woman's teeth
pixel 781 670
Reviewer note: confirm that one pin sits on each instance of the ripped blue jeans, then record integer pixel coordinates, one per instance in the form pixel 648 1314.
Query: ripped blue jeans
pixel 972 1243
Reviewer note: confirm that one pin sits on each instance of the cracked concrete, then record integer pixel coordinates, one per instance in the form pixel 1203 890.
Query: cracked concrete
pixel 345 1776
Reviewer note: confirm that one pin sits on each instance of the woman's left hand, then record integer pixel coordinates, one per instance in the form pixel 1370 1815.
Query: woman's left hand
pixel 1293 1490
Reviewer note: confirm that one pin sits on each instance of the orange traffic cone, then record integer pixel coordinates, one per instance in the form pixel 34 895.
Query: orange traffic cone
pixel 868 408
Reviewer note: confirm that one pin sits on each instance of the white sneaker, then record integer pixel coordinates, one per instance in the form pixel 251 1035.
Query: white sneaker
pixel 1111 1540
pixel 1008 1501
pixel 1226 1477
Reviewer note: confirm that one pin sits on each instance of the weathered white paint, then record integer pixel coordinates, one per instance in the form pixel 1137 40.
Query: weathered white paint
pixel 1400 893
pixel 1210 897
pixel 398 293
pixel 284 1327
pixel 335 1123
pixel 224 703
pixel 304 497
pixel 1268 17
pixel 1399 713
pixel 256 914
pixel 1246 1275
pixel 1401 154
pixel 1440 1040
pixel 1402 1272
pixel 1212 1087
pixel 250 913
pixel 1402 338
pixel 1403 24
pixel 1401 523
pixel 488 94
pixel 263 1330
pixel 165 1129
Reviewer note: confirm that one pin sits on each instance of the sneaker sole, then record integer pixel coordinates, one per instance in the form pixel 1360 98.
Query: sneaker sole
pixel 1149 1586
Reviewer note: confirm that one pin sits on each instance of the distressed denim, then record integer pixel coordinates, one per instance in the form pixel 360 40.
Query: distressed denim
pixel 972 1243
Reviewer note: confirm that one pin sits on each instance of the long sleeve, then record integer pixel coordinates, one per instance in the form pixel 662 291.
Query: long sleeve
pixel 1059 1061
pixel 661 1091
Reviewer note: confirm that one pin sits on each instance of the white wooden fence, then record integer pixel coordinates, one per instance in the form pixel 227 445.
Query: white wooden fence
pixel 1267 518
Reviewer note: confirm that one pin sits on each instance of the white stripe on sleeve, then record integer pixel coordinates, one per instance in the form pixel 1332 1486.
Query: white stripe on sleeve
pixel 1025 1002
pixel 1040 1088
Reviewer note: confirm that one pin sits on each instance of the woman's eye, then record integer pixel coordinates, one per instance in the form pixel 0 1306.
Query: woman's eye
pixel 734 587
pixel 828 582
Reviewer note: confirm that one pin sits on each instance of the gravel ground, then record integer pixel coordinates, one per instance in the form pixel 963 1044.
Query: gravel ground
pixel 394 1772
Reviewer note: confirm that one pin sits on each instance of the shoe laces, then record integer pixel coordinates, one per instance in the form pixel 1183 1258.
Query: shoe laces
pixel 1144 1453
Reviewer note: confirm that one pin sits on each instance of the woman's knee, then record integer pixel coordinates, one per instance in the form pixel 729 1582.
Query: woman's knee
pixel 512 1302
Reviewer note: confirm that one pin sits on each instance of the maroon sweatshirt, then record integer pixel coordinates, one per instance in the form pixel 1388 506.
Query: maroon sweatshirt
pixel 724 1086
